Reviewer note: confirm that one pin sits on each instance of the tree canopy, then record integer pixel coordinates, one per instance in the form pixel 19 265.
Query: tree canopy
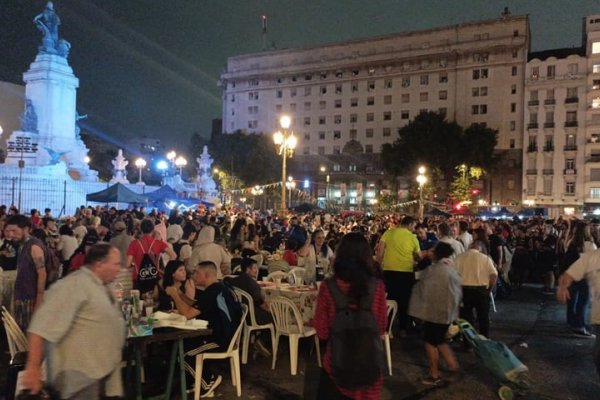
pixel 432 140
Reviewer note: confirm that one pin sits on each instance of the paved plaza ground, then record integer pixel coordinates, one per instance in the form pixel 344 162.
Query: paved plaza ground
pixel 531 324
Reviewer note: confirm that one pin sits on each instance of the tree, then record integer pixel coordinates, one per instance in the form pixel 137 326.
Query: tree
pixel 432 140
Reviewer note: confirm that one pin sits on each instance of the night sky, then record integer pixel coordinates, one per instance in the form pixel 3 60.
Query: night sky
pixel 150 67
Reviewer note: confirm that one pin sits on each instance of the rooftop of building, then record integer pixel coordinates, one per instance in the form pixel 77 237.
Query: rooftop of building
pixel 556 53
pixel 468 24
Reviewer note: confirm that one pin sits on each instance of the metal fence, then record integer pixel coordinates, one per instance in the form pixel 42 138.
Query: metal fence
pixel 62 196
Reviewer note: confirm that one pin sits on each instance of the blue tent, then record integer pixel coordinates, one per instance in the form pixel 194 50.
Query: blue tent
pixel 117 193
pixel 163 193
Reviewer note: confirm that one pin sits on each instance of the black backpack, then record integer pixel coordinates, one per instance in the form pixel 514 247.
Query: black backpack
pixel 147 271
pixel 357 352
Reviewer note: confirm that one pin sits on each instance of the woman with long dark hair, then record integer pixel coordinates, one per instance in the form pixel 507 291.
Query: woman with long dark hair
pixel 355 277
pixel 175 275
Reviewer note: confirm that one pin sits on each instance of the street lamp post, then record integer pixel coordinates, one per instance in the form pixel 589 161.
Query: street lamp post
pixel 290 184
pixel 140 163
pixel 421 179
pixel 286 142
pixel 180 162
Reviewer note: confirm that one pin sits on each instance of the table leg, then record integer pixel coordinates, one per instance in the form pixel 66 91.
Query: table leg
pixel 182 370
pixel 138 372
pixel 171 370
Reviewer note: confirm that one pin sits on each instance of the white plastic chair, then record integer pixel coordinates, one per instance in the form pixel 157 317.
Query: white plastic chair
pixel 232 352
pixel 298 274
pixel 288 321
pixel 17 341
pixel 253 325
pixel 392 310
pixel 278 265
pixel 277 275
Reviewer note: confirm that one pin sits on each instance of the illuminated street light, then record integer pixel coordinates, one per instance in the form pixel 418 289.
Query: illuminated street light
pixel 286 142
pixel 140 163
pixel 422 180
pixel 171 156
pixel 290 184
pixel 180 162
pixel 87 159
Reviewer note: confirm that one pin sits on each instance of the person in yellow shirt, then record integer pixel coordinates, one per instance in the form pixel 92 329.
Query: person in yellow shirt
pixel 397 252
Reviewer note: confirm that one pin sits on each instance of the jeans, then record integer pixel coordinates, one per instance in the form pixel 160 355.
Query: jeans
pixel 478 299
pixel 398 286
pixel 596 329
pixel 576 305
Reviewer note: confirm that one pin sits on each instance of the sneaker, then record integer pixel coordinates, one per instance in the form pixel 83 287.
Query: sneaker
pixel 207 389
pixel 431 381
pixel 584 333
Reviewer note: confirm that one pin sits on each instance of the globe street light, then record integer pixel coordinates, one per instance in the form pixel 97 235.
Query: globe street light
pixel 422 180
pixel 286 142
pixel 140 163
pixel 180 162
pixel 290 184
pixel 171 156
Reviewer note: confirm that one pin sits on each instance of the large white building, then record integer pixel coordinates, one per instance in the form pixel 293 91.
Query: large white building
pixel 347 99
pixel 561 157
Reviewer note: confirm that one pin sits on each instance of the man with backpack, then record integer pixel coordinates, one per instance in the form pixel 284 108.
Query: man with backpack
pixel 143 258
pixel 216 304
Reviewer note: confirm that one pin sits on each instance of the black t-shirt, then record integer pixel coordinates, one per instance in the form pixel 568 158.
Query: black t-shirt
pixel 495 242
pixel 207 303
pixel 8 256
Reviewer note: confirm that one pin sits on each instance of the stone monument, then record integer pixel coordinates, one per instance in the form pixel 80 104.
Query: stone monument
pixel 119 172
pixel 205 182
pixel 50 117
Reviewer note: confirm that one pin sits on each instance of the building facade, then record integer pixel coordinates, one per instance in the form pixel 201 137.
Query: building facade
pixel 347 99
pixel 561 155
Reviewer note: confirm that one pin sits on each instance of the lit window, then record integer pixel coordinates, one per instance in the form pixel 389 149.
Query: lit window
pixel 595 47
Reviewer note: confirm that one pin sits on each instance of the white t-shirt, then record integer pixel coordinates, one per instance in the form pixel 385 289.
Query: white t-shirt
pixel 588 267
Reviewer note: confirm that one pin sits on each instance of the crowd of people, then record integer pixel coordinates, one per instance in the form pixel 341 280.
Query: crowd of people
pixel 436 270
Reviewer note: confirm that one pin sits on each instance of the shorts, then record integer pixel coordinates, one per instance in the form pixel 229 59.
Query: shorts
pixel 434 334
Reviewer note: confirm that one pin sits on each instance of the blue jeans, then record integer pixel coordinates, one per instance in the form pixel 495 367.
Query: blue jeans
pixel 577 304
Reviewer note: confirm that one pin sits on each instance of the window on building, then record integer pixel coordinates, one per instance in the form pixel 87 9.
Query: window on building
pixel 549 117
pixel 570 140
pixel 510 184
pixel 353 133
pixel 547 190
pixel 323 90
pixel 515 53
pixel 423 96
pixel 321 135
pixel 370 101
pixel 483 91
pixel 550 71
pixel 387 132
pixel 571 116
pixel 442 111
pixel 339 74
pixel 387 115
pixel 481 73
pixel 338 103
pixel 533 95
pixel 512 143
pixel 387 99
pixel 322 105
pixel 368 148
pixel 404 114
pixel 279 94
pixel 354 87
pixel 443 77
pixel 513 71
pixel 306 136
pixel 369 133
pixel 424 79
pixel 306 150
pixel 475 109
pixel 307 91
pixel 306 77
pixel 405 82
pixel 596 68
pixel 353 118
pixel 354 102
pixel 475 91
pixel 370 86
pixel 571 93
pixel 535 73
pixel 513 89
pixel 337 135
pixel 443 95
pixel 513 107
pixel 338 88
pixel 253 124
pixel 595 47
pixel 306 121
pixel 573 68
pixel 570 187
pixel 370 117
pixel 533 118
pixel 405 98
pixel 321 150
pixel 293 92
pixel 513 126
pixel 483 110
pixel 337 119
pixel 387 84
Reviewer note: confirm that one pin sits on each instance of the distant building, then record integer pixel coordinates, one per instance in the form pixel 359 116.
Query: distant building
pixel 347 99
pixel 561 156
